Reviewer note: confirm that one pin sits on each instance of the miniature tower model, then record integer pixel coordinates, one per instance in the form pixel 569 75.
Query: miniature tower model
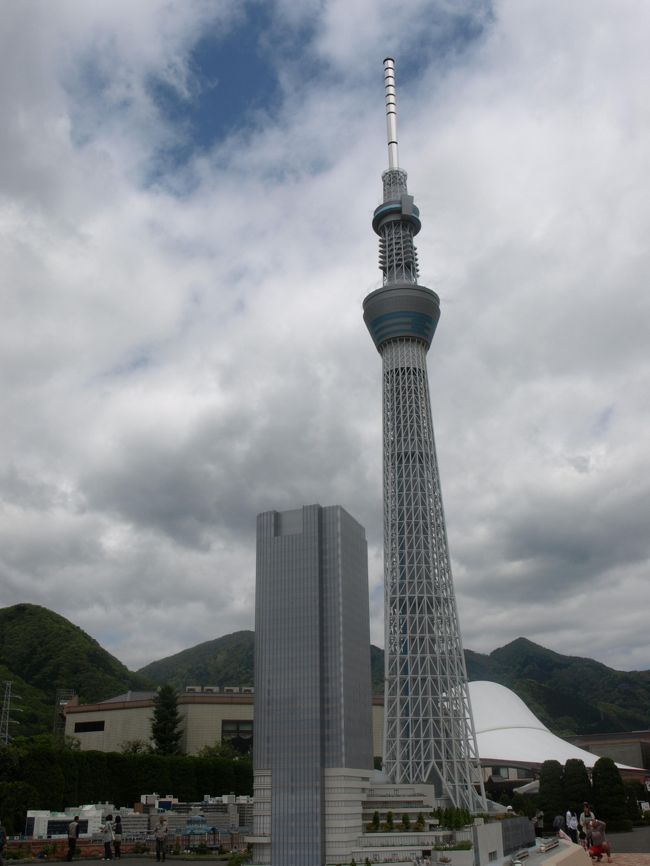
pixel 428 727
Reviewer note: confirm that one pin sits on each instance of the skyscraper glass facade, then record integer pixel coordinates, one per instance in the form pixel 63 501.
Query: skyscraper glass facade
pixel 312 673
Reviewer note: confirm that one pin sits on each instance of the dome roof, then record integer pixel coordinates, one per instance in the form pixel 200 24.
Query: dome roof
pixel 508 733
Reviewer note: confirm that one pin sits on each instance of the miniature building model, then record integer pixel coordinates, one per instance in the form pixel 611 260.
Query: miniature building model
pixel 312 678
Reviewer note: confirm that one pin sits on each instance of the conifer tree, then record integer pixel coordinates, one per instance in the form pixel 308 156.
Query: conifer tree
pixel 165 723
pixel 609 795
pixel 551 793
pixel 577 787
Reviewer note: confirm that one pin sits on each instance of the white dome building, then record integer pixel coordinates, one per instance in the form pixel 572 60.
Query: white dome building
pixel 508 734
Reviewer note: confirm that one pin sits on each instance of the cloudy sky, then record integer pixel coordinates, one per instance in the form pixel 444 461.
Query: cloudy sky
pixel 186 189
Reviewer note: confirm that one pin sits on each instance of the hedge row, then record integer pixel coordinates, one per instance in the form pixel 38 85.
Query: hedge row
pixel 46 777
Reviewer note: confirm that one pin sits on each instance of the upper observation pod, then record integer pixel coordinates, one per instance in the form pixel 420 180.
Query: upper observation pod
pixel 401 308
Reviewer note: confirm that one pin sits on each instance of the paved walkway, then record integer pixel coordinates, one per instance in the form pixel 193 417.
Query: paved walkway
pixel 636 842
pixel 630 860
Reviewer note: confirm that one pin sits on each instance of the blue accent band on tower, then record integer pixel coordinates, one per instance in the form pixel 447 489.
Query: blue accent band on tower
pixel 402 323
pixel 403 209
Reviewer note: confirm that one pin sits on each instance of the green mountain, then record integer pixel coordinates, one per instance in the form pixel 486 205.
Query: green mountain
pixel 41 652
pixel 225 661
pixel 570 695
pixel 228 661
pixel 573 695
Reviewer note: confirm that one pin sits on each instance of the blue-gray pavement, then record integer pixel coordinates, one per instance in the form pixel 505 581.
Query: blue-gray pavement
pixel 636 842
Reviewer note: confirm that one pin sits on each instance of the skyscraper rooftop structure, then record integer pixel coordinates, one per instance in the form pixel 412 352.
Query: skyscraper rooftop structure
pixel 429 733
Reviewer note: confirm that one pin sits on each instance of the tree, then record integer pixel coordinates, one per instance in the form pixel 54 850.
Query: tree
pixel 15 799
pixel 522 805
pixel 406 821
pixel 609 795
pixel 165 723
pixel 577 787
pixel 634 792
pixel 551 792
pixel 134 747
pixel 375 824
pixel 220 749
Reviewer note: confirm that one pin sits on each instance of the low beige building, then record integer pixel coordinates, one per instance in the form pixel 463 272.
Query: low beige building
pixel 207 717
pixel 624 747
pixel 211 715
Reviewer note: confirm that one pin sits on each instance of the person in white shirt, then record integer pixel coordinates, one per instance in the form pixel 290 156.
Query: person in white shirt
pixel 571 821
pixel 584 823
pixel 160 835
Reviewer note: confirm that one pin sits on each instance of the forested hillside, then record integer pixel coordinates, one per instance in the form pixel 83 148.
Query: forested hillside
pixel 41 651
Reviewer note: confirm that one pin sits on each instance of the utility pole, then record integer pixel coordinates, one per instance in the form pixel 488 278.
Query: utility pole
pixel 5 716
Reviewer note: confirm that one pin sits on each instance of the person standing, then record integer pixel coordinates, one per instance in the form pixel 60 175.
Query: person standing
pixel 107 836
pixel 160 835
pixel 3 840
pixel 584 824
pixel 558 823
pixel 571 820
pixel 73 835
pixel 117 837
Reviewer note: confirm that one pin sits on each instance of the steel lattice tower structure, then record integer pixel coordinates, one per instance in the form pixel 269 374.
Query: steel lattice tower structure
pixel 429 732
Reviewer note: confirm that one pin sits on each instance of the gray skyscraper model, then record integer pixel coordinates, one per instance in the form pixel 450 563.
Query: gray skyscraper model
pixel 312 674
pixel 429 732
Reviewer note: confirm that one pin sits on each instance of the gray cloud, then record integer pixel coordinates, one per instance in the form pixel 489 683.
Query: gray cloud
pixel 177 356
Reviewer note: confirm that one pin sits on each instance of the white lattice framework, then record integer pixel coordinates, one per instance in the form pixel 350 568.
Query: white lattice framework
pixel 429 735
pixel 429 732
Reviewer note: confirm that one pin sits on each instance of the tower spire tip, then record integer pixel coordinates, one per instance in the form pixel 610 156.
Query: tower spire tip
pixel 391 112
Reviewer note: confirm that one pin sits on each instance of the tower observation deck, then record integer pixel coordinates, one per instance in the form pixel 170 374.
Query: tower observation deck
pixel 428 728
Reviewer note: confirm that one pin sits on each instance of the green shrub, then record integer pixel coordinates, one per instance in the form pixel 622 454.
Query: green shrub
pixel 457 846
pixel 609 794
pixel 577 787
pixel 389 826
pixel 551 790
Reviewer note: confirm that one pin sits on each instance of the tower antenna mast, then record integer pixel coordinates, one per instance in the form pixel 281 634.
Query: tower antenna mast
pixel 390 96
